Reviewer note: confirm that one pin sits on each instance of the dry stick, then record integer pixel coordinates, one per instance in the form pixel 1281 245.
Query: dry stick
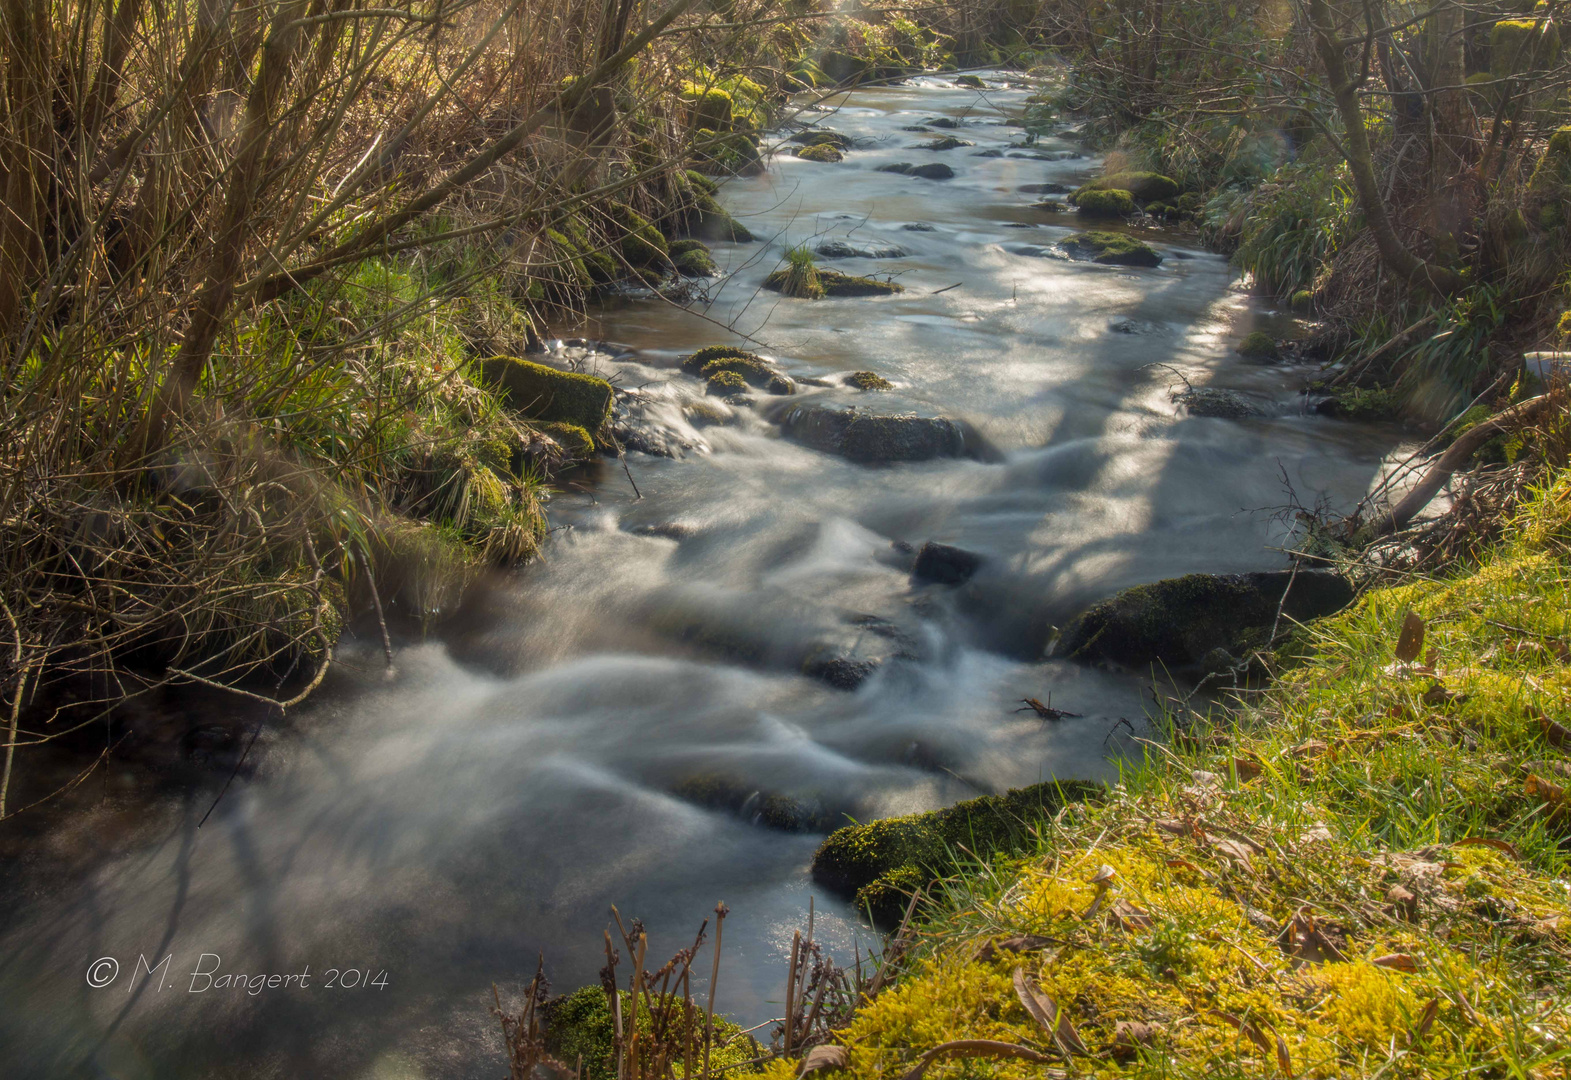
pixel 16 703
pixel 381 619
pixel 1454 458
pixel 714 977
pixel 790 1001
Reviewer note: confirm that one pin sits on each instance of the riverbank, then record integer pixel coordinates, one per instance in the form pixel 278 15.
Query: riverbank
pixel 1363 869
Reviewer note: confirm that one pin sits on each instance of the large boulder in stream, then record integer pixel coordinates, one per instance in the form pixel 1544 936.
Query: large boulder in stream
pixel 1110 249
pixel 936 170
pixel 546 393
pixel 1180 621
pixel 873 438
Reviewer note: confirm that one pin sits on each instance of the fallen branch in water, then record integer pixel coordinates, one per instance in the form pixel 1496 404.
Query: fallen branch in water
pixel 1046 712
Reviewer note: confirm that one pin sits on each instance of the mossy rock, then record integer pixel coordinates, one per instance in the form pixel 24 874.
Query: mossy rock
pixel 640 242
pixel 868 380
pixel 751 369
pixel 708 108
pixel 575 441
pixel 842 68
pixel 1145 186
pixel 1178 621
pixel 1259 345
pixel 1112 202
pixel 1110 249
pixel 694 363
pixel 880 861
pixel 1521 45
pixel 1552 175
pixel 695 262
pixel 567 261
pixel 971 82
pixel 820 152
pixel 699 182
pixel 835 283
pixel 579 1027
pixel 725 384
pixel 1303 302
pixel 545 393
pixel 822 137
pixel 948 142
pixel 771 809
pixel 727 153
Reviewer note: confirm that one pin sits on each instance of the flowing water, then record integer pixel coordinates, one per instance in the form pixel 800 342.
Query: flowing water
pixel 434 833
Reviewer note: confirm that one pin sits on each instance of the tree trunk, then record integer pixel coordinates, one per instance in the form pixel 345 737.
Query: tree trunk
pixel 1440 280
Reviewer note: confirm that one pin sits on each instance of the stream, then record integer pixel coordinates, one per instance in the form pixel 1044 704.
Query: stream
pixel 436 832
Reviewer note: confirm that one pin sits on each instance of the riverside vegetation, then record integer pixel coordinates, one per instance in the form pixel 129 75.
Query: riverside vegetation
pixel 268 280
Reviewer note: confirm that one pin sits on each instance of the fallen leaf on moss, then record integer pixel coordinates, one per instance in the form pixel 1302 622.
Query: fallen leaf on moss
pixel 1130 917
pixel 1047 1013
pixel 1557 734
pixel 1410 642
pixel 1426 1020
pixel 1233 850
pixel 1130 1035
pixel 1396 962
pixel 1018 944
pixel 1247 768
pixel 1489 842
pixel 1551 793
pixel 1257 1036
pixel 826 1058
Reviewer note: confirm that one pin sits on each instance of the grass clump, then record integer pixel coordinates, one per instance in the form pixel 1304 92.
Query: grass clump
pixel 1360 874
pixel 579 1027
pixel 799 277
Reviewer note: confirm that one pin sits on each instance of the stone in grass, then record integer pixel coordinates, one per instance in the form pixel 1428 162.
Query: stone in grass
pixel 545 393
pixel 820 152
pixel 1179 621
pixel 882 862
pixel 1259 346
pixel 868 380
pixel 1110 203
pixel 725 384
pixel 834 283
pixel 1110 249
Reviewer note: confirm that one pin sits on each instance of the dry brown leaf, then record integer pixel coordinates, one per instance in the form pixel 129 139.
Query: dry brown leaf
pixel 1247 768
pixel 1557 734
pixel 1551 793
pixel 1309 943
pixel 975 1048
pixel 1177 828
pixel 1018 944
pixel 825 1058
pixel 1411 640
pixel 1490 842
pixel 1104 874
pixel 1257 1036
pixel 1426 1020
pixel 1307 749
pixel 1233 849
pixel 1317 834
pixel 1131 917
pixel 1396 962
pixel 1048 1015
pixel 1438 695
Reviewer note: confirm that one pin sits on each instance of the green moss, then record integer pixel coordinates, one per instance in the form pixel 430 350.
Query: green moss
pixel 640 242
pixel 823 138
pixel 820 152
pixel 1111 249
pixel 725 384
pixel 573 439
pixel 971 82
pixel 868 380
pixel 1259 345
pixel 751 369
pixel 726 153
pixel 694 363
pixel 695 262
pixel 1109 203
pixel 874 860
pixel 701 183
pixel 580 1027
pixel 1521 45
pixel 1552 175
pixel 1145 186
pixel 708 108
pixel 832 283
pixel 1359 403
pixel 545 393
pixel 1303 301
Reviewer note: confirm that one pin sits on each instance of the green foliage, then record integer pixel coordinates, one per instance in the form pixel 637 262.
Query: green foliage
pixel 1293 225
pixel 580 1027
pixel 640 242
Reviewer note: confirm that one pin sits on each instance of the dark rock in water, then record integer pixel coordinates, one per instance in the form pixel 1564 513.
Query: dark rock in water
pixel 882 862
pixel 1136 327
pixel 822 137
pixel 1044 189
pixel 665 530
pixel 971 82
pixel 918 128
pixel 917 226
pixel 902 167
pixel 948 142
pixel 774 810
pixel 1110 249
pixel 1180 621
pixel 840 249
pixel 840 672
pixel 1019 225
pixel 942 122
pixel 1218 404
pixel 935 171
pixel 989 153
pixel 870 438
pixel 943 564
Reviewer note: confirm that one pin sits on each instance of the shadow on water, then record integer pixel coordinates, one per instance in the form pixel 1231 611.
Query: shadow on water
pixel 515 780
